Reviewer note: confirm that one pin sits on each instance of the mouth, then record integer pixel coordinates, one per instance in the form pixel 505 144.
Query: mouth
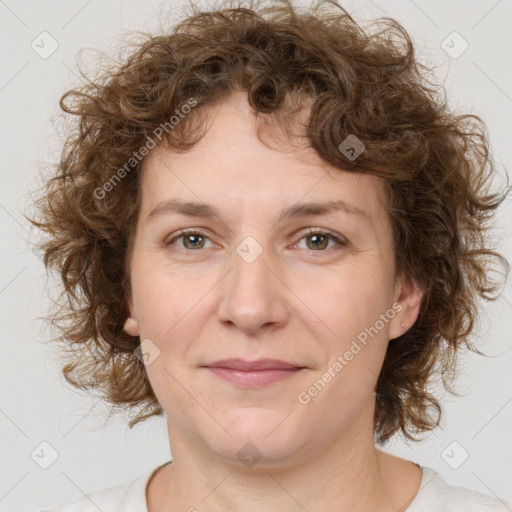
pixel 254 373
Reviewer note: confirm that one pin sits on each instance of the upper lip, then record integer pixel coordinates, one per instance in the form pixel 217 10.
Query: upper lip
pixel 260 364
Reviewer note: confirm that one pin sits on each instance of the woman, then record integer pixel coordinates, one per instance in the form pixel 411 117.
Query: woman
pixel 274 232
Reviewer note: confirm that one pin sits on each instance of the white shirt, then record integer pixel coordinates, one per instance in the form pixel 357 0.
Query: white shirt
pixel 434 495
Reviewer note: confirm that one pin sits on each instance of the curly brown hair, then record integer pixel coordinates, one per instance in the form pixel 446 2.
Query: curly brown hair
pixel 436 165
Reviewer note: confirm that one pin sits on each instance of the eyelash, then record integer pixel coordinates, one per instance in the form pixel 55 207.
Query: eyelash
pixel 311 231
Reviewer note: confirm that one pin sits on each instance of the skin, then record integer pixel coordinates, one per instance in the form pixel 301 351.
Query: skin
pixel 295 302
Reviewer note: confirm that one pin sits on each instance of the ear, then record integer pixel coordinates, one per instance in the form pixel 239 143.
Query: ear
pixel 131 326
pixel 407 304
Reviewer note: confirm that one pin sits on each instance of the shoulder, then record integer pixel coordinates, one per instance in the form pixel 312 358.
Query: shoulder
pixel 436 495
pixel 126 497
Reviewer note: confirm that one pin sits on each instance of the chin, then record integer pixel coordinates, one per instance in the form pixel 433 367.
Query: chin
pixel 256 434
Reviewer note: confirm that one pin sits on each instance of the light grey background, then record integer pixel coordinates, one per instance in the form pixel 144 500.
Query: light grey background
pixel 36 405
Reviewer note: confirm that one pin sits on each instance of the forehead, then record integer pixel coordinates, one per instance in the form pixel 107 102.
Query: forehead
pixel 232 166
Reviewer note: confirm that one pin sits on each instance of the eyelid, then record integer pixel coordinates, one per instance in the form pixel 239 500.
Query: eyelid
pixel 183 232
pixel 321 231
pixel 341 241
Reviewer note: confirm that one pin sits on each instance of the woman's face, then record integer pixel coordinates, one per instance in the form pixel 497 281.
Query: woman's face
pixel 251 283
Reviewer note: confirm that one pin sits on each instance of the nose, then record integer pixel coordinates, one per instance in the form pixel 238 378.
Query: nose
pixel 254 295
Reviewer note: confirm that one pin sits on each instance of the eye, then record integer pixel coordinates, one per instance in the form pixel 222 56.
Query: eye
pixel 320 240
pixel 192 239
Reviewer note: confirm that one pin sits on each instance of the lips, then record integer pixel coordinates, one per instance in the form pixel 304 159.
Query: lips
pixel 254 374
pixel 261 364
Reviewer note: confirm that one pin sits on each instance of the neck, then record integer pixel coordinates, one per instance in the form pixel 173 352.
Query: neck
pixel 349 475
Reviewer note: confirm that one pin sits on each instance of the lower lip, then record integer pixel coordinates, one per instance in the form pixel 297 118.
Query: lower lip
pixel 255 378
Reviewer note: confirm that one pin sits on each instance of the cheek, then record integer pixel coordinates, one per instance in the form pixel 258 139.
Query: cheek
pixel 345 302
pixel 166 304
pixel 349 305
pixel 171 389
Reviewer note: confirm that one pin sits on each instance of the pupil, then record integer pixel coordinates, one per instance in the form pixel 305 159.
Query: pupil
pixel 195 239
pixel 317 238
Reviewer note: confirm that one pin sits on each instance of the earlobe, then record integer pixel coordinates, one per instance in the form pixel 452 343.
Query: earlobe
pixel 410 298
pixel 131 326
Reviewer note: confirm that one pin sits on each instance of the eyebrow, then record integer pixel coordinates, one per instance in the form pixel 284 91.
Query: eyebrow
pixel 189 209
